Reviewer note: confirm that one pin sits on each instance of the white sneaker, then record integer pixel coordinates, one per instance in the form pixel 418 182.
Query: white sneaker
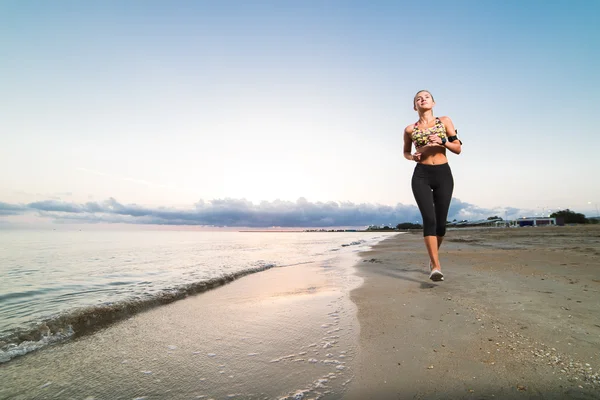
pixel 436 275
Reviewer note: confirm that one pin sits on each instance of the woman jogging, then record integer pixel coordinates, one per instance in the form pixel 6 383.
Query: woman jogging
pixel 432 182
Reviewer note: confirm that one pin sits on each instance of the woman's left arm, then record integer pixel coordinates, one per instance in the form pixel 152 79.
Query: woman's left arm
pixel 455 145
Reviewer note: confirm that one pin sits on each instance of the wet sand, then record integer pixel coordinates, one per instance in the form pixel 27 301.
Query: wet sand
pixel 277 334
pixel 516 317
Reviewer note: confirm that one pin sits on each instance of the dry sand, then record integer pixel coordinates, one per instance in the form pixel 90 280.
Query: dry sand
pixel 518 316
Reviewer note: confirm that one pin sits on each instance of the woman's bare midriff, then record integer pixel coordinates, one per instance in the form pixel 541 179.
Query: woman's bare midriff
pixel 432 155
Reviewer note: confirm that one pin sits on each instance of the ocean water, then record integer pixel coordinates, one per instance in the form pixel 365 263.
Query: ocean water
pixel 59 284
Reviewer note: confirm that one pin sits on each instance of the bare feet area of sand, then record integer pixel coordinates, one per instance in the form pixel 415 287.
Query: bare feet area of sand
pixel 517 316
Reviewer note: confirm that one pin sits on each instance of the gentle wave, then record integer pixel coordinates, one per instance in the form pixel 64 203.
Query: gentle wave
pixel 355 243
pixel 86 320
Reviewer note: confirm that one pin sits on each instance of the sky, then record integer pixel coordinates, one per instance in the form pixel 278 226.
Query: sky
pixel 291 113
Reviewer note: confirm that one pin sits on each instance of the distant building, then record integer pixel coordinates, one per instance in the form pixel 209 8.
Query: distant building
pixel 537 221
pixel 500 223
pixel 479 223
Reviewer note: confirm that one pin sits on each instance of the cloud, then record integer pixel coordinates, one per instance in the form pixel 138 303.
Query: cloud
pixel 243 213
pixel 11 209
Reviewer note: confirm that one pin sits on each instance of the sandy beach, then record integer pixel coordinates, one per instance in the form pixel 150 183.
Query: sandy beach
pixel 516 317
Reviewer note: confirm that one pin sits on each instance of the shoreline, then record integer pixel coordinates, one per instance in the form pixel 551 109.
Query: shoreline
pixel 283 332
pixel 516 316
pixel 89 319
pixel 53 309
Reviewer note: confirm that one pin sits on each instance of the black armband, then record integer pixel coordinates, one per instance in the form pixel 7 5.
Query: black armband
pixel 455 137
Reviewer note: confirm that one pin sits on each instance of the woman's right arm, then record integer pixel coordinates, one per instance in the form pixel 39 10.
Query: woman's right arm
pixel 408 145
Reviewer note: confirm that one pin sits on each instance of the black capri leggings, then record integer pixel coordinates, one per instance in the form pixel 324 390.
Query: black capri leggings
pixel 432 186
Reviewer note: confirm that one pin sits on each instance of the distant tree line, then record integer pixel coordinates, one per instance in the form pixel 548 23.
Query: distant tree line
pixel 409 225
pixel 571 217
pixel 401 226
pixel 380 228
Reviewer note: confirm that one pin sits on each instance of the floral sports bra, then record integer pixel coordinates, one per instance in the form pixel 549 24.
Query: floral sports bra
pixel 421 137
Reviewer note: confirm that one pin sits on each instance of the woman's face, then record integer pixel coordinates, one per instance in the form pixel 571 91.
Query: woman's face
pixel 424 101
